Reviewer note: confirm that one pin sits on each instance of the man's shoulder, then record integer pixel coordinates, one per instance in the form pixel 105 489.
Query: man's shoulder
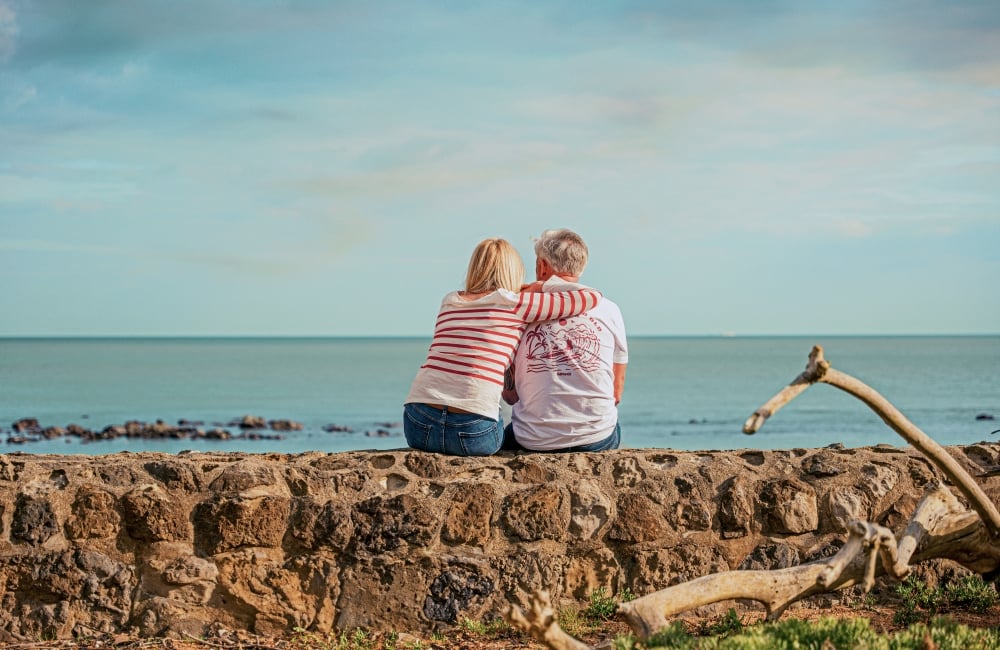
pixel 555 283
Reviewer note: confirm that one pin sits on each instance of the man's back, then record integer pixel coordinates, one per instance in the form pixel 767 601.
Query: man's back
pixel 565 379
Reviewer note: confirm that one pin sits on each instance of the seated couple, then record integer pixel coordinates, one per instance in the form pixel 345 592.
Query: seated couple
pixel 560 345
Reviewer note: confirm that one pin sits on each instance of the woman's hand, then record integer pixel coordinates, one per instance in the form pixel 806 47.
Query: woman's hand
pixel 534 287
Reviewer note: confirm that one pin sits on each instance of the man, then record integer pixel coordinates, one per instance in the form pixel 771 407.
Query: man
pixel 568 374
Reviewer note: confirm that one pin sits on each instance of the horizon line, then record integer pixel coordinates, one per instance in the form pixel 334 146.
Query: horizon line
pixel 726 335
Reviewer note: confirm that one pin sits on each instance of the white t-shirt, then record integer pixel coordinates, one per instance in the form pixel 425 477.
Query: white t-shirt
pixel 564 374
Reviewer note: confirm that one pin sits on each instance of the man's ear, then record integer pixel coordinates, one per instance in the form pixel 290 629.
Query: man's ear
pixel 543 270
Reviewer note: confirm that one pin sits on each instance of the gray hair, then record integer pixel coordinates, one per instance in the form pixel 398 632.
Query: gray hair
pixel 564 250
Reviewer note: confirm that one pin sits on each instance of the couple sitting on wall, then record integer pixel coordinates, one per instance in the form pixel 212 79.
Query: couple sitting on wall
pixel 553 349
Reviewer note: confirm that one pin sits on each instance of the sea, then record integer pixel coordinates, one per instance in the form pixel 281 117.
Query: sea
pixel 686 393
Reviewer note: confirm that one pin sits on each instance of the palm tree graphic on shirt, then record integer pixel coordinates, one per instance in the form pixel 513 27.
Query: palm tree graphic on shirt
pixel 563 349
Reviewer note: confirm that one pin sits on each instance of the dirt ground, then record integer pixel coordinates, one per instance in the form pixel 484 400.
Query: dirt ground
pixel 881 619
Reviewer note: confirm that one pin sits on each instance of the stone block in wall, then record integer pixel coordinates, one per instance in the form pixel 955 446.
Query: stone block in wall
pixel 34 521
pixel 10 470
pixel 454 590
pixel 736 508
pixel 537 513
pixel 274 594
pixel 151 515
pixel 469 516
pixel 390 524
pixel 823 464
pixel 174 475
pixel 689 515
pixel 425 465
pixel 528 471
pixel 521 572
pixel 789 507
pixel 590 510
pixel 244 476
pixel 94 514
pixel 316 525
pixel 50 594
pixel 639 519
pixel 660 568
pixel 171 571
pixel 414 593
pixel 226 523
pixel 878 480
pixel 627 472
pixel 159 616
pixel 594 570
pixel 845 505
pixel 770 555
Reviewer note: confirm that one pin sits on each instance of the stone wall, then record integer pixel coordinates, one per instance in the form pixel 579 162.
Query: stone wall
pixel 161 544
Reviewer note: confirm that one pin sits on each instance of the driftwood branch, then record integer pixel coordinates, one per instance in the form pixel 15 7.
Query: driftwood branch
pixel 539 622
pixel 818 370
pixel 941 527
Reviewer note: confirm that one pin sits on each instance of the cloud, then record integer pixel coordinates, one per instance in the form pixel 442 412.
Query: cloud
pixel 8 32
pixel 78 35
pixel 925 36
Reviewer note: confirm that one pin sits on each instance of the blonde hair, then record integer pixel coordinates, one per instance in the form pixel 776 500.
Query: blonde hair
pixel 494 265
pixel 564 250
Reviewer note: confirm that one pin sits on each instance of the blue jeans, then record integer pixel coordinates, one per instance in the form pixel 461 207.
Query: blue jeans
pixel 456 434
pixel 510 443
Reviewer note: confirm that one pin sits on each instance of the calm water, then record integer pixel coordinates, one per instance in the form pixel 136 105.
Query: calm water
pixel 684 393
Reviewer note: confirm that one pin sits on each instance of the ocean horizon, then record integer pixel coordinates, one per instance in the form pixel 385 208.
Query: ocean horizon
pixel 687 392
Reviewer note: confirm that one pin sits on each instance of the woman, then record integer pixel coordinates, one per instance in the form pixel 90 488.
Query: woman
pixel 454 403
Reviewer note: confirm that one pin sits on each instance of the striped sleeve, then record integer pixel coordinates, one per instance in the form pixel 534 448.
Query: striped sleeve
pixel 533 307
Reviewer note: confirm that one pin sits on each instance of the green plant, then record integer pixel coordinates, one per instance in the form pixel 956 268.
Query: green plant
pixel 602 606
pixel 674 635
pixel 944 634
pixel 971 592
pixel 626 595
pixel 729 624
pixel 842 634
pixel 624 642
pixel 572 620
pixel 919 601
pixel 490 628
pixel 306 640
pixel 863 601
pixel 824 634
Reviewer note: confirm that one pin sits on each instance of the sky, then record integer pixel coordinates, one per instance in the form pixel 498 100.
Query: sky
pixel 285 168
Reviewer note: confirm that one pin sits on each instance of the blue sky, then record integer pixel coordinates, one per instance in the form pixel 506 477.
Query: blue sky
pixel 325 168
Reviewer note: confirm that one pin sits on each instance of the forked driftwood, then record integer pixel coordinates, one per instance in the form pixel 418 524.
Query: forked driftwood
pixel 941 527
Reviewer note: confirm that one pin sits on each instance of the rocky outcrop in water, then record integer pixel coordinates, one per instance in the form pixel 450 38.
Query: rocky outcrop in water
pixel 250 427
pixel 158 544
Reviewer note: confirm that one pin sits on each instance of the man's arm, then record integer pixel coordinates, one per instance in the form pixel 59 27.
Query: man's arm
pixel 619 372
pixel 509 393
